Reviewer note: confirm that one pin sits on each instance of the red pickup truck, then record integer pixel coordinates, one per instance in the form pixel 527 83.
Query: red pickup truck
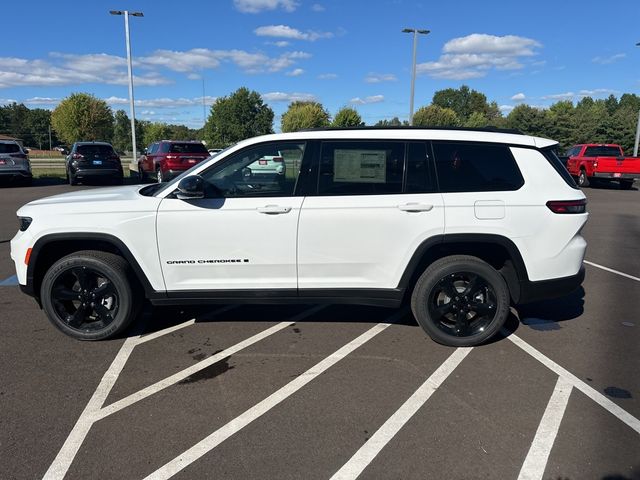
pixel 589 162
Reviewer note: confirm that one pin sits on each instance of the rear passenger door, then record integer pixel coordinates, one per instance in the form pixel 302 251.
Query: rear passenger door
pixel 374 203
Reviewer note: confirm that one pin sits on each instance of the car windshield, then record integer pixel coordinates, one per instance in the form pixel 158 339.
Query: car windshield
pixel 187 148
pixel 95 150
pixel 9 148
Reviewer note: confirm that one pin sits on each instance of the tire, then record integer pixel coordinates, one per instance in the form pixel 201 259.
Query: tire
pixel 142 175
pixel 72 178
pixel 626 184
pixel 88 295
pixel 446 294
pixel 583 180
pixel 159 176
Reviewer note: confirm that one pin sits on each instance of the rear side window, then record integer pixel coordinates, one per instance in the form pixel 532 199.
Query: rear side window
pixel 420 177
pixel 10 148
pixel 187 148
pixel 602 151
pixel 95 150
pixel 556 163
pixel 472 167
pixel 361 168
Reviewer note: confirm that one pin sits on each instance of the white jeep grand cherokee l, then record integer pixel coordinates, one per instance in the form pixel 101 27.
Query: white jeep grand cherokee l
pixel 463 223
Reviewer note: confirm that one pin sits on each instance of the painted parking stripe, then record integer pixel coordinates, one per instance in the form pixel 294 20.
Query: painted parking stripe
pixel 9 282
pixel 58 469
pixel 589 391
pixel 622 274
pixel 536 461
pixel 181 375
pixel 365 455
pixel 209 443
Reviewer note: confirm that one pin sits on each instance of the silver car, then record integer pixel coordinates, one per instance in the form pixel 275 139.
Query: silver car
pixel 14 161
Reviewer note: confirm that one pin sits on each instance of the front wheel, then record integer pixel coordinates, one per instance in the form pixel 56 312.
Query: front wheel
pixel 159 175
pixel 460 301
pixel 88 295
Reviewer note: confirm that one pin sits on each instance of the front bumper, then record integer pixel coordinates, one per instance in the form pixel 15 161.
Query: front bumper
pixel 548 289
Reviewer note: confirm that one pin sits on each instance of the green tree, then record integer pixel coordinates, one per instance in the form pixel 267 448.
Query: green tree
pixel 37 124
pixel 476 120
pixel 435 116
pixel 561 123
pixel 394 122
pixel 121 131
pixel 82 116
pixel 529 120
pixel 241 115
pixel 14 122
pixel 155 132
pixel 464 101
pixel 347 117
pixel 304 115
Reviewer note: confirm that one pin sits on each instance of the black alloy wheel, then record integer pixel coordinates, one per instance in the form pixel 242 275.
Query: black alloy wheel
pixel 460 301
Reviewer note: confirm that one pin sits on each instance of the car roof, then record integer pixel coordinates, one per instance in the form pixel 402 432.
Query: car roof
pixel 410 133
pixel 92 143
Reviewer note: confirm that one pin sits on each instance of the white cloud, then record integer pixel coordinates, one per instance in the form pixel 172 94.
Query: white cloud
pixel 280 43
pixel 598 92
pixel 164 102
pixel 475 55
pixel 380 77
pixel 284 31
pixel 519 97
pixel 257 6
pixel 506 108
pixel 609 59
pixel 316 7
pixel 295 73
pixel 367 100
pixel 288 97
pixel 7 101
pixel 194 76
pixel 327 76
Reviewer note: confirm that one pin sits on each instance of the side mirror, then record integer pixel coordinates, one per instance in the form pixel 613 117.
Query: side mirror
pixel 144 151
pixel 190 188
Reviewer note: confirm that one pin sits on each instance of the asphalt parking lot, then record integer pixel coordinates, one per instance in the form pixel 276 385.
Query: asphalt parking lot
pixel 289 392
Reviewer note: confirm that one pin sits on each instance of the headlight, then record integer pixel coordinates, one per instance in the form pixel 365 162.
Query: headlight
pixel 24 222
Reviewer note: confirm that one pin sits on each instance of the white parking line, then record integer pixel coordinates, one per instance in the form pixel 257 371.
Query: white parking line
pixel 536 461
pixel 209 443
pixel 58 469
pixel 590 392
pixel 612 271
pixel 365 455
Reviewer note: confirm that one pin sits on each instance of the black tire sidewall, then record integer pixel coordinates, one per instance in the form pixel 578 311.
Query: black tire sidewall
pixel 115 274
pixel 441 269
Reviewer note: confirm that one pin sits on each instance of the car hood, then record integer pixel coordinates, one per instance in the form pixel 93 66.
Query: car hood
pixel 95 200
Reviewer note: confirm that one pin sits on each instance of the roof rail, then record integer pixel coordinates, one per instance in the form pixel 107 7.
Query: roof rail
pixel 466 129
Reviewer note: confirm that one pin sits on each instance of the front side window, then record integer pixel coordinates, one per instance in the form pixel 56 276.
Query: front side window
pixel 361 168
pixel 153 148
pixel 267 170
pixel 473 167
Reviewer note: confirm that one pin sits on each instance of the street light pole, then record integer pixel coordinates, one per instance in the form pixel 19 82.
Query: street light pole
pixel 413 69
pixel 126 14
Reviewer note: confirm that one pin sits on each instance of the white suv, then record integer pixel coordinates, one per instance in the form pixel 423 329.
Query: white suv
pixel 461 222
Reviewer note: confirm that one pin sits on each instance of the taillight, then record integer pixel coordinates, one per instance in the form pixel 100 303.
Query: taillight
pixel 568 206
pixel 77 156
pixel 172 157
pixel 278 159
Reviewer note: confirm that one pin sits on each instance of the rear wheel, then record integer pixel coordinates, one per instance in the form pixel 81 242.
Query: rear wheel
pixel 159 176
pixel 583 180
pixel 142 175
pixel 460 301
pixel 626 184
pixel 88 295
pixel 71 178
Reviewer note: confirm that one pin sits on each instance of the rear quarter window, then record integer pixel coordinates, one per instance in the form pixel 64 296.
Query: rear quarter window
pixel 475 167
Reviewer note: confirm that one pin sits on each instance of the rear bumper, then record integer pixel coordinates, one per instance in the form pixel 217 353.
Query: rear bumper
pixel 614 176
pixel 98 172
pixel 15 173
pixel 547 289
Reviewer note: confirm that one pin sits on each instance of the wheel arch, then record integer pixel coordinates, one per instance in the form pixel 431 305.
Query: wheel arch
pixel 498 251
pixel 50 248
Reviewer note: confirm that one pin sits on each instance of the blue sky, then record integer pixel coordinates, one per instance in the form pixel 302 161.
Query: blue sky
pixel 336 52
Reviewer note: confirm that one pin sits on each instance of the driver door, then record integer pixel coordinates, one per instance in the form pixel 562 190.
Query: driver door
pixel 242 235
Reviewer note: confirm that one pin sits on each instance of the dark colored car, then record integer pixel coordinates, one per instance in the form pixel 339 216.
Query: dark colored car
pixel 168 158
pixel 14 161
pixel 93 160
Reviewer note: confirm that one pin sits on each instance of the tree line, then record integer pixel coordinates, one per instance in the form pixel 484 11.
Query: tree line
pixel 243 114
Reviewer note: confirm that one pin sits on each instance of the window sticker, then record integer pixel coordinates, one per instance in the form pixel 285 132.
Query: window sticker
pixel 360 166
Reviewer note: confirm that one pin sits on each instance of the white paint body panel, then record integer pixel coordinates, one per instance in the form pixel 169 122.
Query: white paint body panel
pixel 229 229
pixel 363 241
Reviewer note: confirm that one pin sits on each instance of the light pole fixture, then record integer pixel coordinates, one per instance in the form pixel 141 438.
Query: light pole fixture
pixel 415 32
pixel 126 14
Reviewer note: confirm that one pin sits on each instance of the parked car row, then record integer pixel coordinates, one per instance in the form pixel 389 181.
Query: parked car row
pixel 14 161
pixel 591 162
